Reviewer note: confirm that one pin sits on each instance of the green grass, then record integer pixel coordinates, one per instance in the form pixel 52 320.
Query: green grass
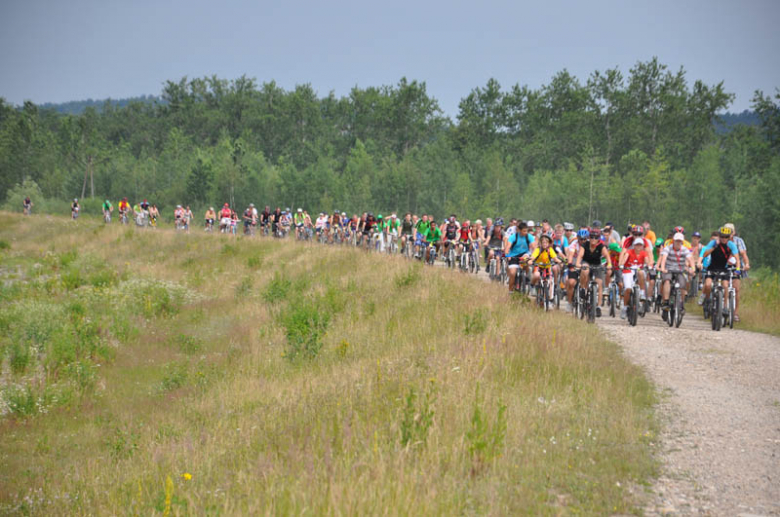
pixel 316 380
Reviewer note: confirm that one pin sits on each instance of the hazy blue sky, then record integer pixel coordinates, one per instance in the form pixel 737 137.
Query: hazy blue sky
pixel 71 50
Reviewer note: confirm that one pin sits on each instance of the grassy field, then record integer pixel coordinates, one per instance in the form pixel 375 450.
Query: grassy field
pixel 159 373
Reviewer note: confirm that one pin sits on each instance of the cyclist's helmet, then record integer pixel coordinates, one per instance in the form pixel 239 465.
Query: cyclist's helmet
pixel 596 224
pixel 379 216
pixel 725 231
pixel 638 229
pixel 568 227
pixel 371 214
pixel 546 236
pixel 615 247
pixel 75 200
pixel 584 233
pixel 499 221
pixel 107 201
pixel 679 229
pixel 531 224
pixel 659 242
pixel 300 210
pixel 697 234
pixel 343 214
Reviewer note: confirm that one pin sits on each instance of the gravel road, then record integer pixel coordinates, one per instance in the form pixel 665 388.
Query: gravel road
pixel 720 414
pixel 720 410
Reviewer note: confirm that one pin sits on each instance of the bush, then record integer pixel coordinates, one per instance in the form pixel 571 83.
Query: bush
pixel 277 288
pixel 305 325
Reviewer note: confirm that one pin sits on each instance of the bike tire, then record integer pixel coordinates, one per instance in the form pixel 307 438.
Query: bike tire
pixel 732 308
pixel 679 309
pixel 671 316
pixel 592 305
pixel 717 311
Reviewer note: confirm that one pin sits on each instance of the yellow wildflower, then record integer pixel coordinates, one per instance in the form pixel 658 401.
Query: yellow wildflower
pixel 187 476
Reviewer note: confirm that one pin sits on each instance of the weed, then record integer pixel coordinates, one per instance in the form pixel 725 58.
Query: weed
pixel 485 441
pixel 82 373
pixel 174 377
pixel 244 288
pixel 72 279
pixel 254 262
pixel 189 344
pixel 67 258
pixel 474 323
pixel 277 288
pixel 103 278
pixel 229 250
pixel 19 357
pixel 409 277
pixel 305 325
pixel 342 348
pixel 4 245
pixel 123 443
pixel 416 418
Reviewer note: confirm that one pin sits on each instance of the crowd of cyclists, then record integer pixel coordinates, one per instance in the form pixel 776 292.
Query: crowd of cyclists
pixel 587 267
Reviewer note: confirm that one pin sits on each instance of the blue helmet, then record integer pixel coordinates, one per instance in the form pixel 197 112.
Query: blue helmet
pixel 583 234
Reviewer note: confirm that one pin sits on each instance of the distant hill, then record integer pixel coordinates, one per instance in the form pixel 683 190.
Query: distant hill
pixel 78 107
pixel 729 120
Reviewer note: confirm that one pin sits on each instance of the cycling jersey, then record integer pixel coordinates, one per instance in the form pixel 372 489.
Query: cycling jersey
pixel 495 240
pixel 406 227
pixel 720 254
pixel 392 225
pixel 226 213
pixel 543 258
pixel 432 234
pixel 107 206
pixel 634 259
pixel 521 245
pixel 124 205
pixel 464 234
pixel 628 243
pixel 593 257
pixel 451 231
pixel 675 259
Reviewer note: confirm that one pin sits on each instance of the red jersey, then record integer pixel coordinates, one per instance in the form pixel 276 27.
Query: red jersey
pixel 464 234
pixel 634 259
pixel 226 212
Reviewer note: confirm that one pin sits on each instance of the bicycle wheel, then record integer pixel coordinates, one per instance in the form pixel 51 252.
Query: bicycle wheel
pixel 670 317
pixel 547 302
pixel 612 300
pixel 633 307
pixel 717 310
pixel 732 308
pixel 592 301
pixel 679 311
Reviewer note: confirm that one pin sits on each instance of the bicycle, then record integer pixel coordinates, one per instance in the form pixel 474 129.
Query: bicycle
pixel 723 302
pixel 106 216
pixel 431 255
pixel 591 295
pixel 449 258
pixel 613 294
pixel 543 295
pixel 123 219
pixel 676 304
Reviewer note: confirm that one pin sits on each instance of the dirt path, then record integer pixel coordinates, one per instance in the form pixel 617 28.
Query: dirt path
pixel 720 410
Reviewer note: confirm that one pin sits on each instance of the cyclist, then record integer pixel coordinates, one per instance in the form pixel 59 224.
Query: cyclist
pixel 544 257
pixel 724 254
pixel 27 205
pixel 334 225
pixel 392 227
pixel 494 240
pixel 154 214
pixel 610 234
pixel 225 216
pixel 265 218
pixel 590 257
pixel 108 208
pixel 743 260
pixel 124 208
pixel 75 208
pixel 569 234
pixel 517 249
pixel 465 241
pixel 420 229
pixel 595 228
pixel 676 259
pixel 211 216
pixel 636 256
pixel 450 230
pixel 407 231
pixel 299 220
pixel 649 233
pixel 677 229
pixel 178 217
pixel 248 218
pixel 572 252
pixel 432 239
pixel 614 251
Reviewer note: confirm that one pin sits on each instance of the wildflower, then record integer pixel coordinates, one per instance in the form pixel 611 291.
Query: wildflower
pixel 187 476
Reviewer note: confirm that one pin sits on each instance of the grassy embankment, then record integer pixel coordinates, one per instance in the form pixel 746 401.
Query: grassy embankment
pixel 152 371
pixel 760 303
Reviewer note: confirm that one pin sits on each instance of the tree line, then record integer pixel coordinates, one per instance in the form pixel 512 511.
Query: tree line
pixel 621 147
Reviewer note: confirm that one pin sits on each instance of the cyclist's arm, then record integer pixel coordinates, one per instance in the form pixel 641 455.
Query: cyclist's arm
pixel 662 262
pixel 580 254
pixel 605 254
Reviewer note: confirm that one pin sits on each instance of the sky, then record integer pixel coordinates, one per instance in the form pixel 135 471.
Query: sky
pixel 56 51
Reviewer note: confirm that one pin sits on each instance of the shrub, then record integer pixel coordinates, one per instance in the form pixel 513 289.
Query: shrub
pixel 409 277
pixel 277 288
pixel 485 441
pixel 305 325
pixel 244 287
pixel 4 245
pixel 475 323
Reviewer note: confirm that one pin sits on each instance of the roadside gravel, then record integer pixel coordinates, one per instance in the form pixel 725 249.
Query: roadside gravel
pixel 720 411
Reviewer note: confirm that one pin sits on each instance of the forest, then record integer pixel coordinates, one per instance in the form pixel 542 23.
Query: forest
pixel 620 146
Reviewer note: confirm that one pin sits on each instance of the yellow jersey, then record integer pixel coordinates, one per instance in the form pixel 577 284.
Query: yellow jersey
pixel 543 258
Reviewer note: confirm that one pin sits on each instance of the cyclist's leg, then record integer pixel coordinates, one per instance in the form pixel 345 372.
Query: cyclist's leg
pixel 666 287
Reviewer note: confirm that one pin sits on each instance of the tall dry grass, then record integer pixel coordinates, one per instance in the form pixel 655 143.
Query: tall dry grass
pixel 310 379
pixel 759 308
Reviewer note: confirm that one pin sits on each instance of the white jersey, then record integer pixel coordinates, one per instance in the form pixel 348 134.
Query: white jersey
pixel 321 222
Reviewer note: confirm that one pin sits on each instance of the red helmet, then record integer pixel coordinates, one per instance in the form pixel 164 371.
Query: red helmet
pixel 679 229
pixel 227 205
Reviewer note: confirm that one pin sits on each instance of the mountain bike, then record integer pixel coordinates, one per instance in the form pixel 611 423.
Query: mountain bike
pixel 391 246
pixel 449 257
pixel 431 261
pixel 613 293
pixel 544 288
pixel 106 216
pixel 123 218
pixel 723 300
pixel 591 294
pixel 676 303
pixel 74 213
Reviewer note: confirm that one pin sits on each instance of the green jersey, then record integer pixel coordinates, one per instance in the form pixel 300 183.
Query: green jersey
pixel 391 225
pixel 107 206
pixel 422 226
pixel 432 234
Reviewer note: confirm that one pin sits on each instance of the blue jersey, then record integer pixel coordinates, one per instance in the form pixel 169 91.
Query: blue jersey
pixel 711 246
